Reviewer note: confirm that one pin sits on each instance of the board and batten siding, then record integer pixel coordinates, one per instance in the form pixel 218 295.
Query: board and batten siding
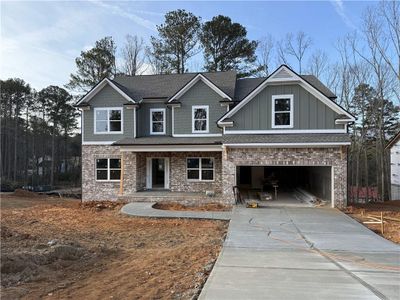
pixel 199 94
pixel 107 97
pixel 143 115
pixel 309 112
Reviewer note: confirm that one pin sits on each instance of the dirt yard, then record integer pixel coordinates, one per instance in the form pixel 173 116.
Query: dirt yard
pixel 56 249
pixel 181 207
pixel 390 209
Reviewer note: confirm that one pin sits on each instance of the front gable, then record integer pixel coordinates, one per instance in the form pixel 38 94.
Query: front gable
pixel 312 109
pixel 200 94
pixel 309 113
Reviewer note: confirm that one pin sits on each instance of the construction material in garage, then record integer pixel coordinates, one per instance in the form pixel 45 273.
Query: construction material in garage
pixel 286 185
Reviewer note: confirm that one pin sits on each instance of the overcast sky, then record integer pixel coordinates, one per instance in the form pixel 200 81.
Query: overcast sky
pixel 40 40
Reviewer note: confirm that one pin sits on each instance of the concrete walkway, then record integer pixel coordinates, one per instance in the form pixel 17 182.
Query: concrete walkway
pixel 303 253
pixel 145 209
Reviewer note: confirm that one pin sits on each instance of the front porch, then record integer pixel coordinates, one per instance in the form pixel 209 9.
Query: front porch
pixel 186 198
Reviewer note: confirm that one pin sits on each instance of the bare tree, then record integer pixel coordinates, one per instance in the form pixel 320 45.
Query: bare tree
pixel 133 56
pixel 281 54
pixel 265 51
pixel 296 46
pixel 318 63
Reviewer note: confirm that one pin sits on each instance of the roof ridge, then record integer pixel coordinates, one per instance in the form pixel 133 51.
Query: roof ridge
pixel 188 73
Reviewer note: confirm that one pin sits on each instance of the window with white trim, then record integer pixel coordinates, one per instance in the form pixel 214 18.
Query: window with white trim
pixel 108 169
pixel 108 120
pixel 200 119
pixel 200 169
pixel 282 111
pixel 157 121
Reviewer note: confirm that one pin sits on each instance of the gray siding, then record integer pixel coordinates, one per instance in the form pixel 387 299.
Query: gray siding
pixel 143 116
pixel 107 97
pixel 199 94
pixel 309 112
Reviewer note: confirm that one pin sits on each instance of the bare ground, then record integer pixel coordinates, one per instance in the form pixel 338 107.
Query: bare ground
pixel 59 249
pixel 390 209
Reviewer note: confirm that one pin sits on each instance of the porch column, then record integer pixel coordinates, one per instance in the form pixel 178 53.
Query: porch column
pixel 228 177
pixel 121 182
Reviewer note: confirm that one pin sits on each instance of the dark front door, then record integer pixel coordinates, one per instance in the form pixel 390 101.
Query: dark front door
pixel 158 172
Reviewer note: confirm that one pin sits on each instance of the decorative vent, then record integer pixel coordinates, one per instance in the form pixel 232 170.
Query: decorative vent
pixel 282 74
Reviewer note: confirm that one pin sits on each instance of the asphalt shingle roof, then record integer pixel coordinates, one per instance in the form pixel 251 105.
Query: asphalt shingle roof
pixel 166 85
pixel 168 140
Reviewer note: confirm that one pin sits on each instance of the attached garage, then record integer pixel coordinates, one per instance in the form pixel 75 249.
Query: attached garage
pixel 320 170
pixel 284 183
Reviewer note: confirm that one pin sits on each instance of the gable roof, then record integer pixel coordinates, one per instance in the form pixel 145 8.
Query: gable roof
pixel 98 87
pixel 167 85
pixel 393 141
pixel 285 74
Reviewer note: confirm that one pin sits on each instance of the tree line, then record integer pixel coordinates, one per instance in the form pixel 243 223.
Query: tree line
pixel 366 76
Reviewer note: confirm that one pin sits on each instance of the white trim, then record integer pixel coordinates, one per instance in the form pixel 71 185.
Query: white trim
pixel 206 107
pixel 200 169
pixel 197 135
pixel 121 109
pixel 342 121
pixel 287 131
pixel 99 86
pixel 151 120
pixel 82 126
pixel 108 169
pixel 171 148
pixel 288 145
pixel 193 82
pixel 291 111
pixel 302 83
pixel 98 143
pixel 173 121
pixel 134 122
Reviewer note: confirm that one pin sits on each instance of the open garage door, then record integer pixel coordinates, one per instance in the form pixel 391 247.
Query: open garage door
pixel 285 182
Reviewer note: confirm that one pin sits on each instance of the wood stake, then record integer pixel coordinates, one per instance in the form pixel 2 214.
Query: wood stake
pixel 382 225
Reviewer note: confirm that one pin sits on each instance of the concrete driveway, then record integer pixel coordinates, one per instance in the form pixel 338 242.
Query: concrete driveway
pixel 303 253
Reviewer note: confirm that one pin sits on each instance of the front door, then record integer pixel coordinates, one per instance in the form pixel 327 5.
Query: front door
pixel 157 173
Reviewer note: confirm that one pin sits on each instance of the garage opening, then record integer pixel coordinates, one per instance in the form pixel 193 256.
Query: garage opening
pixel 291 185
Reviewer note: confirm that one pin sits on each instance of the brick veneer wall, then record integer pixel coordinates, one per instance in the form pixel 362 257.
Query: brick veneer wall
pixel 286 157
pixel 135 172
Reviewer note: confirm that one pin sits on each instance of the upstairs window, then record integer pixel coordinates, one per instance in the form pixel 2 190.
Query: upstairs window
pixel 157 121
pixel 200 119
pixel 108 169
pixel 108 120
pixel 282 111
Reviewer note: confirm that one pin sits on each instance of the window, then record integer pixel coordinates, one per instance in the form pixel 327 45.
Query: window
pixel 282 111
pixel 199 119
pixel 157 121
pixel 108 169
pixel 108 120
pixel 200 169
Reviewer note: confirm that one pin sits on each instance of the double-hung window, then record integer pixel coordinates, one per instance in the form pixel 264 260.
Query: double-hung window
pixel 200 169
pixel 282 111
pixel 108 120
pixel 108 169
pixel 157 121
pixel 200 119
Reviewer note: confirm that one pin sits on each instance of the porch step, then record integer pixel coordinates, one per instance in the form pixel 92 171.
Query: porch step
pixel 185 198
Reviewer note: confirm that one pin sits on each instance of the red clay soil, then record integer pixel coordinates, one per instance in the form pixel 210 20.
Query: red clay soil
pixel 181 207
pixel 390 209
pixel 65 250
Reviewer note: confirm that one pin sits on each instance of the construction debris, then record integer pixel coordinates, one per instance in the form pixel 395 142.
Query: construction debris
pixel 305 197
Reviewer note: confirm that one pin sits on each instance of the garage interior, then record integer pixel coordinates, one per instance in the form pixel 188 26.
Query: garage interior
pixel 285 185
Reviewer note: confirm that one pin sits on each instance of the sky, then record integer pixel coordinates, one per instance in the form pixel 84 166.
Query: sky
pixel 41 39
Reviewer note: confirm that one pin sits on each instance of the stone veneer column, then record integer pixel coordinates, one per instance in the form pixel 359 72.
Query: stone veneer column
pixel 130 172
pixel 228 177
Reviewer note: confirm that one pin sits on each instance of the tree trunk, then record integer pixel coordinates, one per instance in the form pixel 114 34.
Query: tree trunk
pixel 52 156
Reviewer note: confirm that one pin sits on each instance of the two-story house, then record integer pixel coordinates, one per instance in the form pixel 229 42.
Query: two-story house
pixel 188 134
pixel 394 147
